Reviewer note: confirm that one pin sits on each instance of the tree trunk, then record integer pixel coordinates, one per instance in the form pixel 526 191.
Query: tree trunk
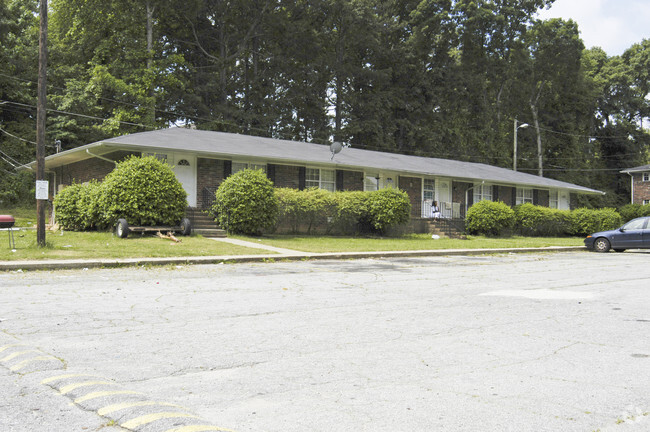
pixel 152 108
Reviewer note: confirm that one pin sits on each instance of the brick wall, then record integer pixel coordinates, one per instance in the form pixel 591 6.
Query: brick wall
pixel 413 187
pixel 352 181
pixel 458 190
pixel 209 174
pixel 641 189
pixel 287 176
pixel 89 169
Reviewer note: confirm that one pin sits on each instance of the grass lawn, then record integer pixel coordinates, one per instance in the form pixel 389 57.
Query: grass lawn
pixel 78 245
pixel 408 242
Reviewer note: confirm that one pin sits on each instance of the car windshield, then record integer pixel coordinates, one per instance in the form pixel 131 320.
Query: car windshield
pixel 635 224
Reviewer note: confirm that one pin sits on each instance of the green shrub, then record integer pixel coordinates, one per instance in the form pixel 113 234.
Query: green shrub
pixel 585 221
pixel 633 211
pixel 489 218
pixel 144 191
pixel 630 211
pixel 88 205
pixel 344 212
pixel 351 213
pixel 66 205
pixel 645 210
pixel 307 209
pixel 388 208
pixel 532 220
pixel 245 203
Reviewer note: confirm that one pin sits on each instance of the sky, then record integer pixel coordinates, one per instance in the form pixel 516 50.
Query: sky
pixel 613 25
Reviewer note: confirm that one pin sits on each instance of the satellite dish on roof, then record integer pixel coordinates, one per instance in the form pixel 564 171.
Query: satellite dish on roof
pixel 336 147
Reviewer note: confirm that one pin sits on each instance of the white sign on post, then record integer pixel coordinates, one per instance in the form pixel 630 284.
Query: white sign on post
pixel 42 189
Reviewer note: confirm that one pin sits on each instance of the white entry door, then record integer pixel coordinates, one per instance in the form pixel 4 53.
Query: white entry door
pixel 185 170
pixel 443 192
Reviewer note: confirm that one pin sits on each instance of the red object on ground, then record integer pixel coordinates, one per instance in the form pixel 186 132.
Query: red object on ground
pixel 7 221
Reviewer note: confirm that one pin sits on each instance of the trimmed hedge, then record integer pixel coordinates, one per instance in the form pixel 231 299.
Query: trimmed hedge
pixel 539 221
pixel 245 203
pixel 77 206
pixel 311 207
pixel 586 221
pixel 343 212
pixel 388 208
pixel 491 218
pixel 144 191
pixel 633 211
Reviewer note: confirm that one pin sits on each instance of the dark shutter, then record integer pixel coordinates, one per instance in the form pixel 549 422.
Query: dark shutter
pixel 302 177
pixel 270 172
pixel 470 197
pixel 339 180
pixel 495 193
pixel 514 196
pixel 227 168
pixel 535 196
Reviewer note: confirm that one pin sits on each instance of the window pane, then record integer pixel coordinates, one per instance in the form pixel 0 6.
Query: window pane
pixel 370 184
pixel 330 186
pixel 487 193
pixel 524 195
pixel 327 175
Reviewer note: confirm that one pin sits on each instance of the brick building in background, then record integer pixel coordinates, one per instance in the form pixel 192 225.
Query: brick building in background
pixel 640 184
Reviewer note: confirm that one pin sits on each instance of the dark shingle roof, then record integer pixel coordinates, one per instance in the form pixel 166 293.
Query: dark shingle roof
pixel 251 148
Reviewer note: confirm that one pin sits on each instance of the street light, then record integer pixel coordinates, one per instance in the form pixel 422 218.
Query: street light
pixel 514 153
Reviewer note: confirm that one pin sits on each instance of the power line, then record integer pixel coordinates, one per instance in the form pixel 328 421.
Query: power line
pixel 81 115
pixel 18 138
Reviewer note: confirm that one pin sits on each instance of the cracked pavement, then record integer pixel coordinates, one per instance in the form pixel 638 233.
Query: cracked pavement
pixel 535 342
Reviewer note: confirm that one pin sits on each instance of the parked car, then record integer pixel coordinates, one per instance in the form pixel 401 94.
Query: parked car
pixel 633 235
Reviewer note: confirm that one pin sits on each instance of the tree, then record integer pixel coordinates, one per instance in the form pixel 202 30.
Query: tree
pixel 18 49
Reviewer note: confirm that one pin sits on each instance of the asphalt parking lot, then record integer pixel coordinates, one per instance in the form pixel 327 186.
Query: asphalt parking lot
pixel 532 342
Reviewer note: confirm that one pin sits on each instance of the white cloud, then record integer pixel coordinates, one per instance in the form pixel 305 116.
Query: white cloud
pixel 613 25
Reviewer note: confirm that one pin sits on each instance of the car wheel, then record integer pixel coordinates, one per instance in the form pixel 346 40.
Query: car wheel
pixel 619 250
pixel 186 227
pixel 601 245
pixel 122 228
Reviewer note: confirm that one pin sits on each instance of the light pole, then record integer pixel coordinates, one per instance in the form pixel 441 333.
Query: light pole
pixel 514 153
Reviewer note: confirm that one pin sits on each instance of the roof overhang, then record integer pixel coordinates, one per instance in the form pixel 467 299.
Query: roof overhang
pixel 217 145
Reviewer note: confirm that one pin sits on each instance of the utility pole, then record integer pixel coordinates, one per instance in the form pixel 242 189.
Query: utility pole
pixel 40 127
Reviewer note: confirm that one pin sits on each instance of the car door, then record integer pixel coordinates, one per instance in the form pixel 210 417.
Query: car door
pixel 630 235
pixel 645 241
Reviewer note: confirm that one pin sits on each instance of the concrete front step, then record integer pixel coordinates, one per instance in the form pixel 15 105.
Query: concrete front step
pixel 210 232
pixel 204 224
pixel 444 228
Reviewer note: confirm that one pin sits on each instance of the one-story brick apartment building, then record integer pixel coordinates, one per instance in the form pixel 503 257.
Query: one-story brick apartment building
pixel 203 159
pixel 640 184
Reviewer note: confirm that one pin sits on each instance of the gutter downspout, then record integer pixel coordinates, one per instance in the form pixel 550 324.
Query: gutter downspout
pixel 100 157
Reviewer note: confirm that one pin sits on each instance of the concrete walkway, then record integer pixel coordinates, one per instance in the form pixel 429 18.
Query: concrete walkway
pixel 257 246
